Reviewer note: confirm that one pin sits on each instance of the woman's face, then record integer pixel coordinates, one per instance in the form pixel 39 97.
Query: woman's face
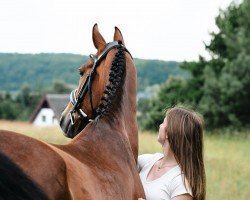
pixel 163 137
pixel 162 132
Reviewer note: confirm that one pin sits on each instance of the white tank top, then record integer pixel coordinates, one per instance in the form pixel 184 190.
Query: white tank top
pixel 166 187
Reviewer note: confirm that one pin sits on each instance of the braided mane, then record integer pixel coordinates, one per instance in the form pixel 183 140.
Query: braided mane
pixel 113 89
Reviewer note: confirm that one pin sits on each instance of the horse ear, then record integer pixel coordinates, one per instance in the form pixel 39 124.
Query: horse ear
pixel 118 35
pixel 98 40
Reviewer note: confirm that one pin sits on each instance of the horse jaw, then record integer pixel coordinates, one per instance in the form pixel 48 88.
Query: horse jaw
pixel 70 130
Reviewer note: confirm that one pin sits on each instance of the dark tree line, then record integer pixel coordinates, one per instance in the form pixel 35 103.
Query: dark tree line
pixel 39 71
pixel 218 88
pixel 19 106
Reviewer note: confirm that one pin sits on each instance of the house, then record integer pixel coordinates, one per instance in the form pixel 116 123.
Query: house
pixel 49 109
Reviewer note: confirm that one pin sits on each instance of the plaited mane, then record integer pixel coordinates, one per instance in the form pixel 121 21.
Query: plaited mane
pixel 113 91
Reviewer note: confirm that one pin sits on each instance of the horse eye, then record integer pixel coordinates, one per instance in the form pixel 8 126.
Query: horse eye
pixel 81 73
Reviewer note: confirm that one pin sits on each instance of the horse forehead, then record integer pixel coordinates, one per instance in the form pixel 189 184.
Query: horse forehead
pixel 109 57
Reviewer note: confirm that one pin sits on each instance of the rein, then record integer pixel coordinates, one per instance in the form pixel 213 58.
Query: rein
pixel 76 101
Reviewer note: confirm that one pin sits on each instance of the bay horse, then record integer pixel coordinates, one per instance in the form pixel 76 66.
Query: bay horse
pixel 100 161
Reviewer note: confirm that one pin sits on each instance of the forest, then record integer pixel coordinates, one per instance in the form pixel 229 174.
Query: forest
pixel 26 77
pixel 218 88
pixel 39 71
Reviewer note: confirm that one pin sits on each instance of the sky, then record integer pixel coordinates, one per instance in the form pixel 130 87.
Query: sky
pixel 152 29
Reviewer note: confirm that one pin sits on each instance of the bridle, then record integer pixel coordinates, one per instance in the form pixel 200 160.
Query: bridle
pixel 76 101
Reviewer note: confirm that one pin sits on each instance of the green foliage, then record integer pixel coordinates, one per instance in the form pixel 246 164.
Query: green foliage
pixel 59 87
pixel 151 72
pixel 193 86
pixel 169 94
pixel 34 75
pixel 8 108
pixel 19 107
pixel 227 75
pixel 218 88
pixel 40 71
pixel 233 89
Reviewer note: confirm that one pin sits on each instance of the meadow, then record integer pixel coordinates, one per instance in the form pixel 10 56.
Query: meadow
pixel 227 157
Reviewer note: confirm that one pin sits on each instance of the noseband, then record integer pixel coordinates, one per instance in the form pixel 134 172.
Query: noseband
pixel 76 101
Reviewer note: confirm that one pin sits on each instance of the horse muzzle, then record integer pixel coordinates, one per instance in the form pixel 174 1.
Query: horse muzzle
pixel 67 127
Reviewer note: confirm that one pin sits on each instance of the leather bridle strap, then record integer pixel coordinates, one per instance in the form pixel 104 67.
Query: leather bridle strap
pixel 88 83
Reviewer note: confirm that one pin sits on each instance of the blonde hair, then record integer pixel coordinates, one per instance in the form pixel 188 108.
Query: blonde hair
pixel 185 135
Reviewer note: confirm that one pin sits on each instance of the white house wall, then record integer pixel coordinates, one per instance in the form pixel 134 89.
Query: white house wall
pixel 45 117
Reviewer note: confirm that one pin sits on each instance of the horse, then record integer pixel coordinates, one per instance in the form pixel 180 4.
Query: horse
pixel 15 184
pixel 100 160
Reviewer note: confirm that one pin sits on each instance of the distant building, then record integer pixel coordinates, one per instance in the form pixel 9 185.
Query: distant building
pixel 49 109
pixel 145 94
pixel 149 92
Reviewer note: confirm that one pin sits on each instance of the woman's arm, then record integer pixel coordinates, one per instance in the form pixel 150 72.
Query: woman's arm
pixel 183 197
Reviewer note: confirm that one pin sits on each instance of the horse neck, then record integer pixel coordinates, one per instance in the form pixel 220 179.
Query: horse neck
pixel 126 115
pixel 121 122
pixel 123 113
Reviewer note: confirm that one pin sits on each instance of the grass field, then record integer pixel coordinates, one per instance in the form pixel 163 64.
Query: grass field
pixel 227 158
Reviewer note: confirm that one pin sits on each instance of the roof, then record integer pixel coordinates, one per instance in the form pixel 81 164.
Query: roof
pixel 57 102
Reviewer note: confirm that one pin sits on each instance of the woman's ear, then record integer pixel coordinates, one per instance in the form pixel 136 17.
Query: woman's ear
pixel 98 40
pixel 118 36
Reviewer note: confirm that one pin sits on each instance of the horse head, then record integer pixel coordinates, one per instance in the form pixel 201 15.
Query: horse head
pixel 99 163
pixel 101 80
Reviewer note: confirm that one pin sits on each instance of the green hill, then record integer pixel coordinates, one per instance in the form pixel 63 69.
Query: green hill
pixel 39 71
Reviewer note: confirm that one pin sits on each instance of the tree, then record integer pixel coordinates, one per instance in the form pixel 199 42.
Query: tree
pixel 8 107
pixel 226 88
pixel 218 88
pixel 60 87
pixel 170 93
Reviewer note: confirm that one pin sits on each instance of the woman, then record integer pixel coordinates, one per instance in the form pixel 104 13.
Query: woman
pixel 178 173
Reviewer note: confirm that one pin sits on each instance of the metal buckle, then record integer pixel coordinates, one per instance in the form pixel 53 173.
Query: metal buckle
pixel 82 113
pixel 82 92
pixel 73 99
pixel 71 118
pixel 92 56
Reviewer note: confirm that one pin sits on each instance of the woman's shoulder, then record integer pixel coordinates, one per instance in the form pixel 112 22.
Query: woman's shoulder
pixel 178 186
pixel 144 159
pixel 149 157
